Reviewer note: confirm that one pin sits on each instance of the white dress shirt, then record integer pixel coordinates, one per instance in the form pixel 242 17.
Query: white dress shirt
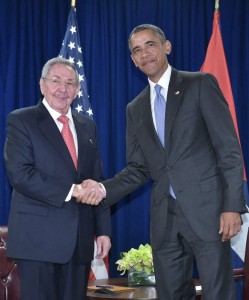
pixel 164 83
pixel 55 115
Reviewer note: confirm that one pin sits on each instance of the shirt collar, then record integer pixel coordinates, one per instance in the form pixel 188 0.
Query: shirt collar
pixel 163 81
pixel 55 114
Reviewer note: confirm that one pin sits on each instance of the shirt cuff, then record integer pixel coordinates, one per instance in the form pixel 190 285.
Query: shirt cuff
pixel 103 187
pixel 69 196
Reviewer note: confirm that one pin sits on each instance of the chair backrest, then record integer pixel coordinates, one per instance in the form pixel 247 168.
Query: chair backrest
pixel 238 274
pixel 9 277
pixel 243 273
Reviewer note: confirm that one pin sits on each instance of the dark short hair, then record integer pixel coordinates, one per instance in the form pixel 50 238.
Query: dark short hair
pixel 58 61
pixel 158 31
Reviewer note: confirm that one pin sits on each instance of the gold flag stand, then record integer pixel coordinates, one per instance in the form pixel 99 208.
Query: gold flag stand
pixel 217 5
pixel 73 3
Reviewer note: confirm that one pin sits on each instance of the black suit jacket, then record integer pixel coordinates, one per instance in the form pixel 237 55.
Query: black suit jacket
pixel 42 226
pixel 201 159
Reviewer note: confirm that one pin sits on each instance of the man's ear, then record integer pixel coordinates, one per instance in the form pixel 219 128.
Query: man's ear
pixel 168 47
pixel 133 60
pixel 41 85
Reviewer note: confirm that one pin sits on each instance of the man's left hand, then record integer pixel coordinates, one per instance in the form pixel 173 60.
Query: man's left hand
pixel 230 225
pixel 103 246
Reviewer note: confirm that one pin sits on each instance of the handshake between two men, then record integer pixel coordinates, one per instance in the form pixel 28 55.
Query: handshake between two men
pixel 89 192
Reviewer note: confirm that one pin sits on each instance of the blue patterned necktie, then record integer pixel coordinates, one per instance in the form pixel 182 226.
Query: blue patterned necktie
pixel 159 109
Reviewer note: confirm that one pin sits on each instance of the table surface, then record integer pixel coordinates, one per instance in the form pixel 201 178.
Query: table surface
pixel 139 292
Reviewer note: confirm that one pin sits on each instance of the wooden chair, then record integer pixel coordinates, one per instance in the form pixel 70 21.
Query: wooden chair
pixel 9 278
pixel 239 274
pixel 243 273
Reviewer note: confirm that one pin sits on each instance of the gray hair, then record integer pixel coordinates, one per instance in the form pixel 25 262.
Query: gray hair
pixel 58 61
pixel 158 31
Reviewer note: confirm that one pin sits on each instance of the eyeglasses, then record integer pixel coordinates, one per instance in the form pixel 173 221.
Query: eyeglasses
pixel 57 83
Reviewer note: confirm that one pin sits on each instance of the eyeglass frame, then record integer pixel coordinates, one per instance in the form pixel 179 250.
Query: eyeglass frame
pixel 57 82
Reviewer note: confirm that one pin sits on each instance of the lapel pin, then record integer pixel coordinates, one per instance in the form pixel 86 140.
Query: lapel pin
pixel 176 93
pixel 91 141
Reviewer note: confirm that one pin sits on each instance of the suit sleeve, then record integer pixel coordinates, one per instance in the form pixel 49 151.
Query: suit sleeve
pixel 215 111
pixel 102 215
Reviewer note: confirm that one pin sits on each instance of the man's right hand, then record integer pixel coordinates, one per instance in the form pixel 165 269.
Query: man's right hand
pixel 89 192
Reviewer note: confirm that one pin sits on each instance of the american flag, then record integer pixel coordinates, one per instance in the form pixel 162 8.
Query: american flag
pixel 72 51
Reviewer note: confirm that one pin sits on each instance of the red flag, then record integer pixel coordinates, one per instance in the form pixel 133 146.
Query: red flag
pixel 215 63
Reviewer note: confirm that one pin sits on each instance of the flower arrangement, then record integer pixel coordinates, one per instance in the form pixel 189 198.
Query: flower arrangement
pixel 138 259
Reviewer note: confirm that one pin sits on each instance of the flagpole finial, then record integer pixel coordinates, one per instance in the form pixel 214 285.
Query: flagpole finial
pixel 73 3
pixel 217 5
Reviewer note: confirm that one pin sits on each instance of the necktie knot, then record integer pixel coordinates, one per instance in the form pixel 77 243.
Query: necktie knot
pixel 63 119
pixel 158 88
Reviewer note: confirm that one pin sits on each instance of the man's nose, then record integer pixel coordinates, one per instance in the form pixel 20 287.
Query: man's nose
pixel 63 86
pixel 143 52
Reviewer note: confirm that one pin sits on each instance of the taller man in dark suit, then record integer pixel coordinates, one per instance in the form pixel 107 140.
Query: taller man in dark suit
pixel 51 235
pixel 196 169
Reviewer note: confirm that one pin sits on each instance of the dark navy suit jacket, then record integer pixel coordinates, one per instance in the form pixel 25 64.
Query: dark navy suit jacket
pixel 42 226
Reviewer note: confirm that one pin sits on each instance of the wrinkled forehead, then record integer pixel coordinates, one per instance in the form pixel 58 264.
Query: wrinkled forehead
pixel 63 71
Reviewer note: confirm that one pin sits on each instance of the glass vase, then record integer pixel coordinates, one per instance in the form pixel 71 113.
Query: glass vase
pixel 140 278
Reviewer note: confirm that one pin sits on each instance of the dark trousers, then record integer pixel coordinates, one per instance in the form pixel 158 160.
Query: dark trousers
pixel 173 262
pixel 52 281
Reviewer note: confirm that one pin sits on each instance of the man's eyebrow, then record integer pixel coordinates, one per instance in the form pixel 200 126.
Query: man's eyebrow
pixel 146 43
pixel 57 76
pixel 135 48
pixel 150 42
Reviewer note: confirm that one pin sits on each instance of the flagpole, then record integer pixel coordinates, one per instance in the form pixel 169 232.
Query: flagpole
pixel 73 3
pixel 217 5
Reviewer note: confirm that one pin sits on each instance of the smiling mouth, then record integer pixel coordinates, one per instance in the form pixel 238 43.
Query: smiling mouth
pixel 61 96
pixel 145 63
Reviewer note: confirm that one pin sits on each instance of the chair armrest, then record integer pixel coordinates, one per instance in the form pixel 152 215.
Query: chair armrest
pixel 238 273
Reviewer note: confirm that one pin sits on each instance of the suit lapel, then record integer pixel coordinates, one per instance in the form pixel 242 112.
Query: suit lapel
pixel 52 133
pixel 146 117
pixel 83 141
pixel 174 98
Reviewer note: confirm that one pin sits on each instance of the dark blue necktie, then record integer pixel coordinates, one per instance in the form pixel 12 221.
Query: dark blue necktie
pixel 159 109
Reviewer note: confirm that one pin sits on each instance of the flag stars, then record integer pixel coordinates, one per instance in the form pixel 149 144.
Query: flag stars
pixel 80 94
pixel 90 112
pixel 79 108
pixel 72 51
pixel 79 63
pixel 71 59
pixel 71 45
pixel 73 29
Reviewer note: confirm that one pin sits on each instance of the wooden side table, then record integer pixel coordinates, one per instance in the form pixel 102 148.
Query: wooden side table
pixel 139 293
